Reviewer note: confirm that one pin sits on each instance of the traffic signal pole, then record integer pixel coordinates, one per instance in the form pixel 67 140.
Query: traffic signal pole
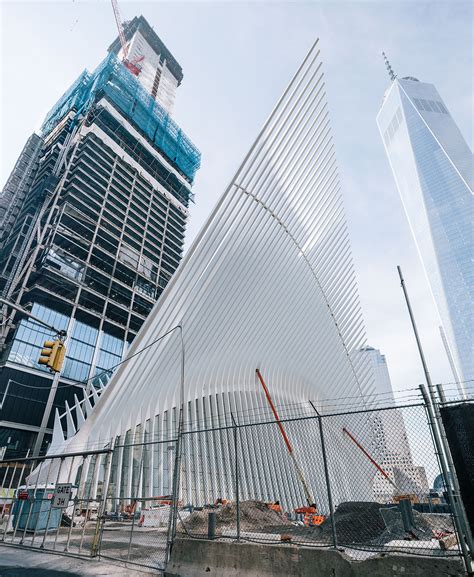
pixel 50 401
pixel 54 365
pixel 32 317
pixel 46 415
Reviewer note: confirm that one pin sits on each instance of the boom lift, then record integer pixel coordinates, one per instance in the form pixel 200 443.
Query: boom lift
pixel 310 510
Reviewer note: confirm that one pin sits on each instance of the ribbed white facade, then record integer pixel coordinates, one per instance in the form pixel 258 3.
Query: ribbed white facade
pixel 268 284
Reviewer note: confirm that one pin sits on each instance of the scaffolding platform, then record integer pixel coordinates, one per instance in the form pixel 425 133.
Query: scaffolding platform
pixel 126 92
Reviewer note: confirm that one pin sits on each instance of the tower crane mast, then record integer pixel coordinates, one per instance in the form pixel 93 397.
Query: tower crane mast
pixel 118 20
pixel 132 65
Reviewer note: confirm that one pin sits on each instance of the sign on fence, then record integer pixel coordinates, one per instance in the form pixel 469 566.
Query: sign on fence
pixel 62 495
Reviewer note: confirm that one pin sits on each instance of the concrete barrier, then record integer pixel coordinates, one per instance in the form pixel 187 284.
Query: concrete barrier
pixel 201 558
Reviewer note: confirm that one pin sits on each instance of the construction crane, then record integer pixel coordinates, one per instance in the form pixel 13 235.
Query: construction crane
pixel 371 459
pixel 309 511
pixel 133 64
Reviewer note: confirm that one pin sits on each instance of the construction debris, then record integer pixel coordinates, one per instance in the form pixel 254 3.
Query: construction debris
pixel 356 522
pixel 427 526
pixel 448 542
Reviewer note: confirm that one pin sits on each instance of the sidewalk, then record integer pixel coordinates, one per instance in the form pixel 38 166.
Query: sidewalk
pixel 20 562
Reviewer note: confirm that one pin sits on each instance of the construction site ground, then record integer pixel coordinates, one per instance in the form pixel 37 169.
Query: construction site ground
pixel 146 548
pixel 360 526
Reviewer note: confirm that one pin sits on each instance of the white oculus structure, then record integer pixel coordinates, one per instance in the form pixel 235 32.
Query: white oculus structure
pixel 268 283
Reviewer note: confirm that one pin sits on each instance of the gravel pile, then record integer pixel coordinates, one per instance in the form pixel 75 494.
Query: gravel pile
pixel 254 516
pixel 358 523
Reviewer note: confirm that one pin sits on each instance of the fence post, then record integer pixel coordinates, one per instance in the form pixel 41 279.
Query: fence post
pixel 7 522
pixel 326 475
pixel 22 504
pixel 177 462
pixel 444 469
pixel 451 468
pixel 99 528
pixel 175 488
pixel 237 484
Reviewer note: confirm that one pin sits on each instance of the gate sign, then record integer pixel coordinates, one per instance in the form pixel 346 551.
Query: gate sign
pixel 62 495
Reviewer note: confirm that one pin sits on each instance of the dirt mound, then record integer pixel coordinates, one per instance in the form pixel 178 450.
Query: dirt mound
pixel 356 522
pixel 254 516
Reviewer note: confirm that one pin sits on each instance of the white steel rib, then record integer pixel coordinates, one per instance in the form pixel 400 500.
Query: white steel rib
pixel 268 283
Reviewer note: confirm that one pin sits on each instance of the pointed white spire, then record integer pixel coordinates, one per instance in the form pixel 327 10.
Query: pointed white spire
pixel 58 433
pixel 79 414
pixel 71 428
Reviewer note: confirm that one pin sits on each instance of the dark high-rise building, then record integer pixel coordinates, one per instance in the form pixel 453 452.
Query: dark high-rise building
pixel 93 220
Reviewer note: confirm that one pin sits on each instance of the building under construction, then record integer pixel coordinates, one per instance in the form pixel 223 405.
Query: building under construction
pixel 93 220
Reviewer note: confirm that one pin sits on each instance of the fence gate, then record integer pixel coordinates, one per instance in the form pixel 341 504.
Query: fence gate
pixel 54 502
pixel 135 524
pixel 77 503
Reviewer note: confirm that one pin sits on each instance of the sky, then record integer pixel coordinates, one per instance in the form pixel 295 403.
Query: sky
pixel 237 58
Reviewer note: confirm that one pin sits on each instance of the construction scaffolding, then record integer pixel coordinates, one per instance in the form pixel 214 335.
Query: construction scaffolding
pixel 126 92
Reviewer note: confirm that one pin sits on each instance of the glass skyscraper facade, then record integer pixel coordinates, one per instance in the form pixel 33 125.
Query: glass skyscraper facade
pixel 433 169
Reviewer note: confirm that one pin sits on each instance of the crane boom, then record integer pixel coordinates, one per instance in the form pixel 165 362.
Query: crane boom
pixel 118 20
pixel 133 64
pixel 299 472
pixel 371 459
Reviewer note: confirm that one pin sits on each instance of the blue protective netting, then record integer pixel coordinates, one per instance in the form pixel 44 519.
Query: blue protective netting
pixel 126 92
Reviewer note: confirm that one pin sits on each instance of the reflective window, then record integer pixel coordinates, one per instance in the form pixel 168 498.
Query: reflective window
pixel 30 336
pixel 110 354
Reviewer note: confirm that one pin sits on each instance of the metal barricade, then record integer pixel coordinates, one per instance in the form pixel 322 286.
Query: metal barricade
pixel 55 502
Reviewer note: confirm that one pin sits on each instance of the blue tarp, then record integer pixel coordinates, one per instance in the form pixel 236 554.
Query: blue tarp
pixel 126 92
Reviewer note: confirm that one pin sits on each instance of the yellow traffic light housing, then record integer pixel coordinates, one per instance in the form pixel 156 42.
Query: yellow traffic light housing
pixel 47 353
pixel 52 355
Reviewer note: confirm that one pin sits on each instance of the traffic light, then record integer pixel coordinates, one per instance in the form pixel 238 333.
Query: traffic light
pixel 52 355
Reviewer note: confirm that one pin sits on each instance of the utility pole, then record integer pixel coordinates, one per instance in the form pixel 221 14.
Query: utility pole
pixel 455 502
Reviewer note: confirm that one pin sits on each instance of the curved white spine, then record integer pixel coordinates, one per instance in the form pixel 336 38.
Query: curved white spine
pixel 268 284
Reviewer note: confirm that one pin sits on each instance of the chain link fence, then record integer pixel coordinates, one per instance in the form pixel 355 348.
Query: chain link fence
pixel 351 480
pixel 365 481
